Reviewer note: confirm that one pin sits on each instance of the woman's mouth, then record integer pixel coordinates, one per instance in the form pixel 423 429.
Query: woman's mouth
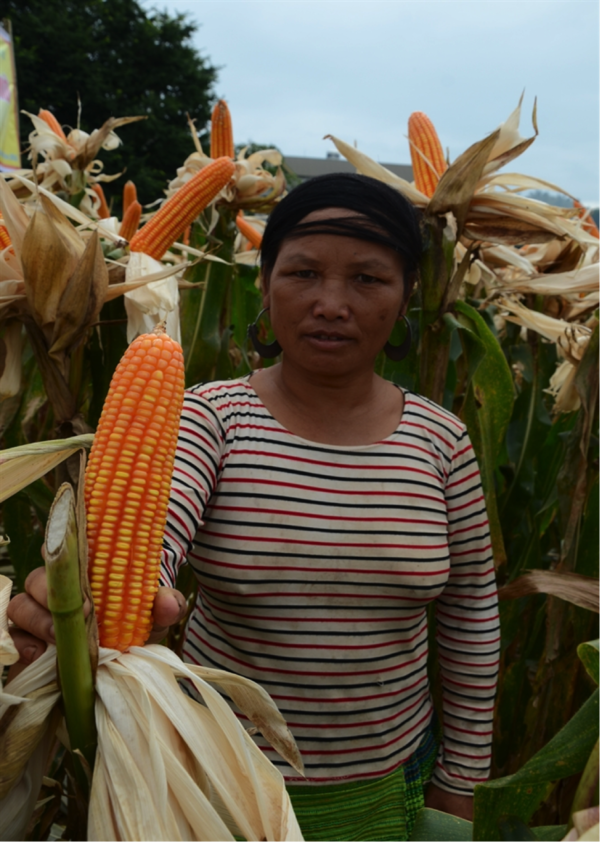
pixel 325 339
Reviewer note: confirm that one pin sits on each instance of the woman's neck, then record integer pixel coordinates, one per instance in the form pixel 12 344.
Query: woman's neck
pixel 359 408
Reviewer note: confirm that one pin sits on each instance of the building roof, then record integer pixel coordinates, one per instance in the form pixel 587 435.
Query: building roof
pixel 306 168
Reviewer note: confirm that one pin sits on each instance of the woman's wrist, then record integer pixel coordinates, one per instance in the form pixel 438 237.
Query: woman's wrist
pixel 449 802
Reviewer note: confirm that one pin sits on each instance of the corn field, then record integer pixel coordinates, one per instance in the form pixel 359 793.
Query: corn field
pixel 504 321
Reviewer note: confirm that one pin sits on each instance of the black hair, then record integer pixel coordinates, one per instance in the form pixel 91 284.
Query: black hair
pixel 388 218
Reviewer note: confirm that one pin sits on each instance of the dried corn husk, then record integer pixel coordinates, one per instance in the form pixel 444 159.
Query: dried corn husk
pixel 571 339
pixel 153 302
pixel 579 590
pixel 11 347
pixel 367 166
pixel 18 806
pixel 579 281
pixel 562 388
pixel 50 252
pixel 585 826
pixel 35 692
pixel 196 772
pixel 8 651
pixel 167 767
pixel 20 466
pixel 26 728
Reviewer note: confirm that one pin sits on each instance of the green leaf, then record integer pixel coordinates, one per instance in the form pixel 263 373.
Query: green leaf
pixel 104 350
pixel 521 794
pixel 589 654
pixel 474 349
pixel 204 311
pixel 492 380
pixel 245 302
pixel 586 795
pixel 512 829
pixel 26 537
pixel 589 539
pixel 550 832
pixel 223 364
pixel 572 480
pixel 405 372
pixel 434 825
pixel 487 409
pixel 435 269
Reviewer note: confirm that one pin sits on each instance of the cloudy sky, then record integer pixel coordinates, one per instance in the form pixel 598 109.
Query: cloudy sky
pixel 295 70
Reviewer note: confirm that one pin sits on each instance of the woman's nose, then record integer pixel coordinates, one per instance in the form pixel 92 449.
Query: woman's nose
pixel 331 301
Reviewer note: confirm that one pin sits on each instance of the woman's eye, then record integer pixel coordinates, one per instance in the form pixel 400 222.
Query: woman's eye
pixel 367 279
pixel 304 273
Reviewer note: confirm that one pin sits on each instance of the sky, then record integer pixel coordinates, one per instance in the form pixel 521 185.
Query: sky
pixel 293 71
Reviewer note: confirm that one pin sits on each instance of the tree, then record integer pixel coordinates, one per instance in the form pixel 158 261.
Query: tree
pixel 120 61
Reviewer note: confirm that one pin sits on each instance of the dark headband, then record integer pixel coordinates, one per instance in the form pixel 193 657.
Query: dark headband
pixel 386 217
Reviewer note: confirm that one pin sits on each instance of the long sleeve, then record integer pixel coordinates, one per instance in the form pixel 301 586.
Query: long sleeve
pixel 468 634
pixel 200 447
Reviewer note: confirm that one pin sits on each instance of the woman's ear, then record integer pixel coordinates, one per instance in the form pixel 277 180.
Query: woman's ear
pixel 266 293
pixel 409 285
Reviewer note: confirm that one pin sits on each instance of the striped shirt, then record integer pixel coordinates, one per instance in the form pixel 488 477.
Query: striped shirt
pixel 316 565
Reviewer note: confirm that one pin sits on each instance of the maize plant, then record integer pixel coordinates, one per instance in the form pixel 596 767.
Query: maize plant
pixel 506 316
pixel 67 162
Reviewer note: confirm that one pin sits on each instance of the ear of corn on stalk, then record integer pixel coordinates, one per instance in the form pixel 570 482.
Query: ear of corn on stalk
pixel 588 221
pixel 5 240
pixel 426 153
pixel 221 132
pixel 168 223
pixel 103 211
pixel 129 195
pixel 248 230
pixel 131 220
pixel 49 118
pixel 127 486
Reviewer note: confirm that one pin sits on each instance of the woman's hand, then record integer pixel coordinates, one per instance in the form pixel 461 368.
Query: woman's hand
pixel 449 802
pixel 34 629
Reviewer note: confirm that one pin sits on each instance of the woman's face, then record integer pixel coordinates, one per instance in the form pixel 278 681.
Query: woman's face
pixel 333 300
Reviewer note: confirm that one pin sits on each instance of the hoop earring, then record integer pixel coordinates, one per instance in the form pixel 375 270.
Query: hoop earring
pixel 396 353
pixel 269 351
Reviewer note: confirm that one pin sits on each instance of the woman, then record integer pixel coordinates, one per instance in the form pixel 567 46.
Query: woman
pixel 323 509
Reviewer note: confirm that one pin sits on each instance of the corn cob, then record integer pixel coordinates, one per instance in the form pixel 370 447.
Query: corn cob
pixel 426 153
pixel 168 223
pixel 127 486
pixel 129 195
pixel 131 220
pixel 588 220
pixel 103 211
pixel 249 232
pixel 5 240
pixel 221 132
pixel 50 120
